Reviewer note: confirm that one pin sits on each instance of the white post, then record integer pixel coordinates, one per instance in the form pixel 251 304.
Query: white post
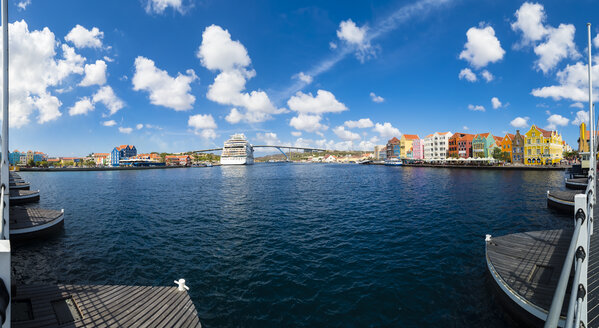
pixel 580 202
pixel 593 150
pixel 4 166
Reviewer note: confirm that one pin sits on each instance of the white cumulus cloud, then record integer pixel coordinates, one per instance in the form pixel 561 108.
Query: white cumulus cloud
pixel 324 102
pixel 577 105
pixel 303 77
pixel 482 47
pixel 551 44
pixel 344 134
pixel 478 108
pixel 125 130
pixel 139 126
pixel 83 106
pixel 107 97
pixel 94 74
pixel 487 75
pixel 35 68
pixel 164 90
pixel 159 6
pixel 556 120
pixel 268 138
pixel 386 130
pixel 296 133
pixel 84 38
pixel 520 122
pixel 376 99
pixel 530 20
pixel 23 4
pixel 581 117
pixel 204 125
pixel 218 52
pixel 308 123
pixel 496 103
pixel 573 84
pixel 467 74
pixel 356 37
pixel 361 123
pixel 109 123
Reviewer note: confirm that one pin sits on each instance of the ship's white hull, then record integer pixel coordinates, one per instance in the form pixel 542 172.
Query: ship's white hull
pixel 236 160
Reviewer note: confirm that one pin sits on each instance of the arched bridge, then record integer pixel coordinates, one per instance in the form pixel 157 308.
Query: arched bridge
pixel 279 148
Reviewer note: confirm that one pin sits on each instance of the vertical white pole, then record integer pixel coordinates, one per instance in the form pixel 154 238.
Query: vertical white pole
pixel 593 150
pixel 5 242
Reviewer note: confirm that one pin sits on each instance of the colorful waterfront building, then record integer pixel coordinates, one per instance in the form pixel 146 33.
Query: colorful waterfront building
pixel 393 148
pixel 405 145
pixel 441 144
pixel 453 150
pixel 465 146
pixel 101 158
pixel 481 143
pixel 418 149
pixel 542 147
pixel 427 146
pixel 38 156
pixel 380 152
pixel 506 146
pixel 178 160
pixel 517 148
pixel 122 152
pixel 15 157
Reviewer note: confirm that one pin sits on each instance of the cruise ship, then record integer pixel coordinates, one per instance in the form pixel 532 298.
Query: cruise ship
pixel 237 151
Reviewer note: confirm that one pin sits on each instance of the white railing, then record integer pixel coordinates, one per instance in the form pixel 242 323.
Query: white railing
pixel 579 250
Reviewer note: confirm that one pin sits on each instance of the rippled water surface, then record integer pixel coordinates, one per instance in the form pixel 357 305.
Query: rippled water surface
pixel 294 244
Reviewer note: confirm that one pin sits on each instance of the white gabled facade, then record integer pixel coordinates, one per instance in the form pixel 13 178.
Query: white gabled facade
pixel 428 146
pixel 440 144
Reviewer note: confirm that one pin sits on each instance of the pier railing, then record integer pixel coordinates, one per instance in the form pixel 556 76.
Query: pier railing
pixel 579 251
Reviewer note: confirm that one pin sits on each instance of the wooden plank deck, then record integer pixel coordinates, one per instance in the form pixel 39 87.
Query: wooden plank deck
pixel 530 263
pixel 102 306
pixel 593 277
pixel 30 217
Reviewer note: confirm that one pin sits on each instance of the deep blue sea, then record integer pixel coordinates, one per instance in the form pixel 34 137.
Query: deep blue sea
pixel 303 245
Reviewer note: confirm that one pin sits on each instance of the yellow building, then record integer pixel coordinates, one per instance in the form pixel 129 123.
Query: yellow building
pixel 542 147
pixel 406 145
pixel 506 145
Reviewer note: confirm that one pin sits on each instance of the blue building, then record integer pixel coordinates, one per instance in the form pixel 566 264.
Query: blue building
pixel 15 157
pixel 122 152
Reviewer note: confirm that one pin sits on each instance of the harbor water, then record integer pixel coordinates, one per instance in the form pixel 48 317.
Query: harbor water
pixel 303 245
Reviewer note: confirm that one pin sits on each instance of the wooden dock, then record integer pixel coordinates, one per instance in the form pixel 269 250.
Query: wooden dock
pixel 562 200
pixel 28 222
pixel 102 306
pixel 18 197
pixel 526 266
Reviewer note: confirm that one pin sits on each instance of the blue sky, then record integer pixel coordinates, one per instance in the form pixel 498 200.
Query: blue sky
pixel 179 75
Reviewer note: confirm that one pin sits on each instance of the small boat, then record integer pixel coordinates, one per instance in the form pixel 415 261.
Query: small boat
pixel 393 162
pixel 208 164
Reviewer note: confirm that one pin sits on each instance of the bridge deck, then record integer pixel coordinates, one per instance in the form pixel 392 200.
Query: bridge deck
pixel 529 264
pixel 102 306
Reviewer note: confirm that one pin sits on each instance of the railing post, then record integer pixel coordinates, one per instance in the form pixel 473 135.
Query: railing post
pixel 577 307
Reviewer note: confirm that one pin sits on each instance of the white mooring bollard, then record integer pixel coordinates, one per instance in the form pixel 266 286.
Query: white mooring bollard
pixel 181 283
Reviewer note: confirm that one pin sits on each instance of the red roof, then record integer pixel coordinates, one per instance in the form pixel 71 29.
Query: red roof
pixel 497 138
pixel 467 137
pixel 393 141
pixel 411 136
pixel 545 133
pixel 484 135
